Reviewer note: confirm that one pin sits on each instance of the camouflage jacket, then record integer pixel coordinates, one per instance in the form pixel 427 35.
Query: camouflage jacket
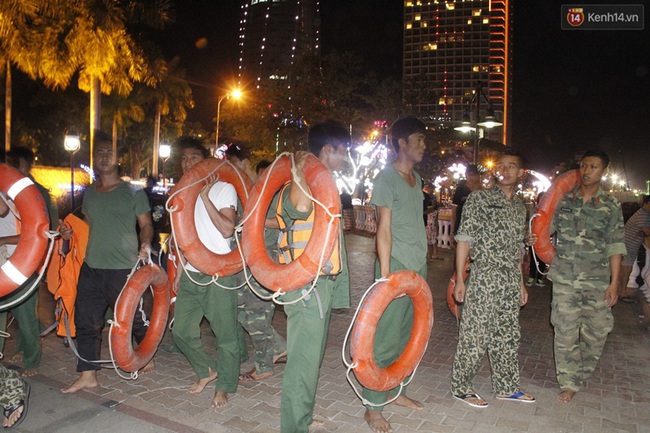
pixel 495 227
pixel 587 235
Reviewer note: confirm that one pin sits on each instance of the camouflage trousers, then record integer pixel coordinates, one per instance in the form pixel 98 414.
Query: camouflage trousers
pixel 12 387
pixel 489 323
pixel 254 316
pixel 581 321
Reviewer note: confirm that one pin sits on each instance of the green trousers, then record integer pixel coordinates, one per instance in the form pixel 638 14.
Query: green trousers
pixel 29 329
pixel 581 321
pixel 219 307
pixel 255 316
pixel 307 326
pixel 391 336
pixel 12 387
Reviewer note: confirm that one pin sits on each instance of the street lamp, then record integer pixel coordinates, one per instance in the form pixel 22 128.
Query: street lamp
pixel 164 151
pixel 236 94
pixel 71 143
pixel 490 120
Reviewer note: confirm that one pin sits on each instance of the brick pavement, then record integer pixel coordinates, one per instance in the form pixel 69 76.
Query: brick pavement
pixel 615 400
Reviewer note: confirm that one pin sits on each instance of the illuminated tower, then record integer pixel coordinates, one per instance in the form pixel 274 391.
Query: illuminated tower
pixel 272 35
pixel 449 48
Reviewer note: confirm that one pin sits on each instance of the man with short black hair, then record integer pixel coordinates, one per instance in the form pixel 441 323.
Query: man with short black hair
pixel 585 274
pixel 634 228
pixel 493 228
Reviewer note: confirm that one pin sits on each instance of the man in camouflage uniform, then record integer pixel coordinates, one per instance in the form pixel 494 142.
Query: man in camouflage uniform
pixel 13 390
pixel 585 274
pixel 493 227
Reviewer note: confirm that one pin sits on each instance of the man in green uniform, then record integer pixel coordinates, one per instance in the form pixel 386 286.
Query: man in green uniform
pixel 401 245
pixel 308 319
pixel 28 347
pixel 492 228
pixel 585 274
pixel 198 297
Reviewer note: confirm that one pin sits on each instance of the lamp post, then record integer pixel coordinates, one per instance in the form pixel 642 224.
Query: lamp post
pixel 236 94
pixel 164 151
pixel 71 143
pixel 490 120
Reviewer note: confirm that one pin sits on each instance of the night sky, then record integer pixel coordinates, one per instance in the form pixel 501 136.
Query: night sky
pixel 572 90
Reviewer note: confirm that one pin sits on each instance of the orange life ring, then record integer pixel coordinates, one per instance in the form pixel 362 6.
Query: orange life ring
pixel 541 227
pixel 126 357
pixel 454 308
pixel 363 333
pixel 34 222
pixel 182 215
pixel 302 270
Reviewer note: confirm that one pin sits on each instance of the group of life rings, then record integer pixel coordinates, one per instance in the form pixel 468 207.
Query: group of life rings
pixel 255 200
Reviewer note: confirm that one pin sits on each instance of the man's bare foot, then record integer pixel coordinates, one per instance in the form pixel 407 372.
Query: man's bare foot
pixel 88 379
pixel 316 423
pixel 377 422
pixel 149 368
pixel 251 376
pixel 202 382
pixel 565 396
pixel 16 359
pixel 404 401
pixel 31 372
pixel 279 356
pixel 220 400
pixel 15 415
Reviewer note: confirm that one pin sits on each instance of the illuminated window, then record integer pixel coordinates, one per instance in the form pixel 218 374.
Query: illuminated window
pixel 418 17
pixel 424 24
pixel 408 4
pixel 450 6
pixel 441 101
pixel 486 20
pixel 469 21
pixel 475 68
pixel 409 26
pixel 476 12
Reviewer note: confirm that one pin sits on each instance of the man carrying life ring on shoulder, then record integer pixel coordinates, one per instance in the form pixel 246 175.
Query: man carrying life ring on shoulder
pixel 308 320
pixel 214 215
pixel 493 229
pixel 401 245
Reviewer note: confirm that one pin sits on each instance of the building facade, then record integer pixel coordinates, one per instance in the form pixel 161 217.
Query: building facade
pixel 452 50
pixel 272 36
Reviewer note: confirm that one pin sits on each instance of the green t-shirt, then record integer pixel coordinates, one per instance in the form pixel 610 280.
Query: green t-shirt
pixel 341 287
pixel 112 218
pixel 391 191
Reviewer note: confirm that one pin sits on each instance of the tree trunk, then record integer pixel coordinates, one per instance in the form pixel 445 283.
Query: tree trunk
pixel 114 134
pixel 8 107
pixel 95 113
pixel 156 143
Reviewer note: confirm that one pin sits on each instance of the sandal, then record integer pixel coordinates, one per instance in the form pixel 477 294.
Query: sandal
pixel 465 398
pixel 22 403
pixel 518 396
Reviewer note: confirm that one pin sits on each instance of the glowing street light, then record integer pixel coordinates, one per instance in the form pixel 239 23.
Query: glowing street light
pixel 235 94
pixel 164 151
pixel 71 143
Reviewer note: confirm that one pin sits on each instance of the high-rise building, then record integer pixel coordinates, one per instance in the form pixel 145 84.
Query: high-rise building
pixel 272 36
pixel 452 49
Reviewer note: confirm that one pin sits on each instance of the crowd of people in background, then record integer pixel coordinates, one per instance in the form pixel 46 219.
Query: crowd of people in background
pixel 595 256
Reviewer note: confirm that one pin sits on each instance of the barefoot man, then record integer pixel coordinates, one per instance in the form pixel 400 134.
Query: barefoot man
pixel 197 298
pixel 111 207
pixel 585 274
pixel 401 245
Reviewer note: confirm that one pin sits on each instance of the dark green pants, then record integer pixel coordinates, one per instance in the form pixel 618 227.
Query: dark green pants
pixel 29 329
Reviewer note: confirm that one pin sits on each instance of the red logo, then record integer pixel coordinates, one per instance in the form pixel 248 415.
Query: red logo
pixel 575 17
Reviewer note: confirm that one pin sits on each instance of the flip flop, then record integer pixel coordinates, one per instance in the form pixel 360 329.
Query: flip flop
pixel 465 399
pixel 281 358
pixel 22 403
pixel 249 377
pixel 517 396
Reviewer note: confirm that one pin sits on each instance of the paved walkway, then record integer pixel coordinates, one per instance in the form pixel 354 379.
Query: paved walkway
pixel 615 400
